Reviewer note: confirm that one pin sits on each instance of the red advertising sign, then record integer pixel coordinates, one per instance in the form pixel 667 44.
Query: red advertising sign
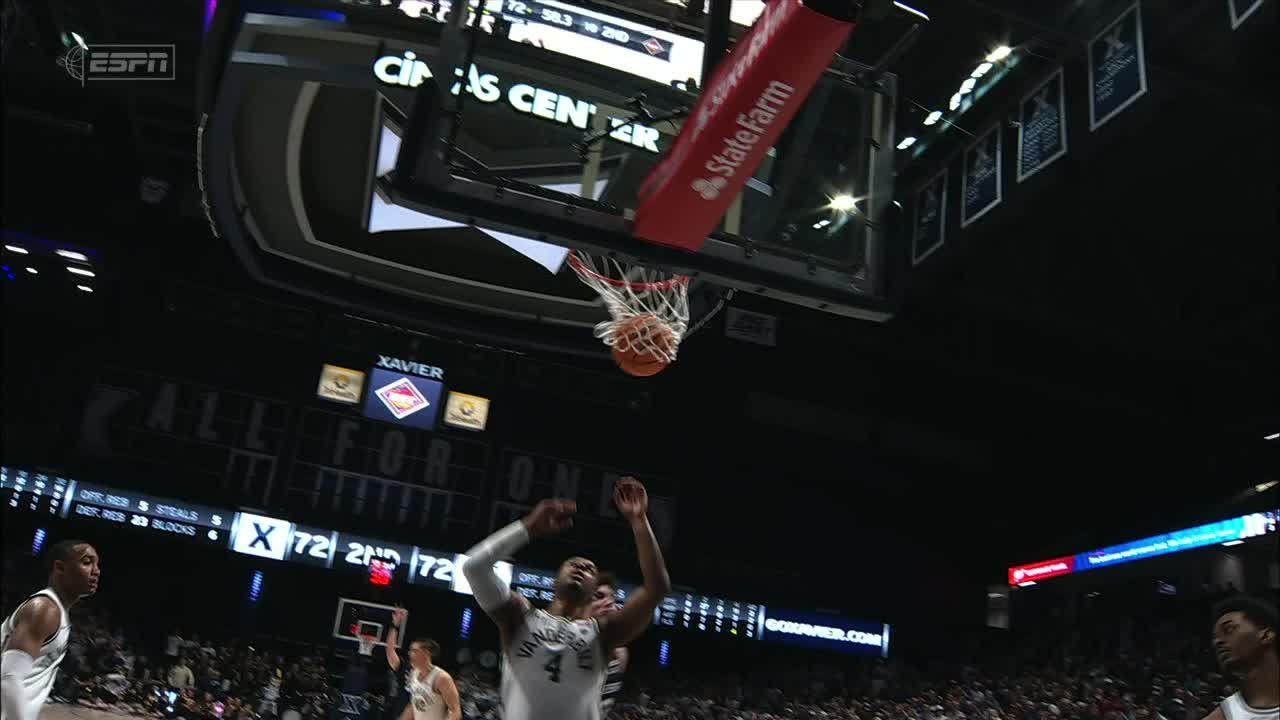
pixel 743 110
pixel 1041 570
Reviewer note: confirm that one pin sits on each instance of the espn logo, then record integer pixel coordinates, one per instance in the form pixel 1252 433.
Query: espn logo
pixel 120 62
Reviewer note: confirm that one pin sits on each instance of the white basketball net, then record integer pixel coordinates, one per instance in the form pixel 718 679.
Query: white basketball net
pixel 366 643
pixel 631 291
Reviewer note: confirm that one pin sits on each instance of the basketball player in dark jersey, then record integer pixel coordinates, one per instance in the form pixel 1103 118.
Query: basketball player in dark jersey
pixel 34 638
pixel 555 660
pixel 605 602
pixel 1244 639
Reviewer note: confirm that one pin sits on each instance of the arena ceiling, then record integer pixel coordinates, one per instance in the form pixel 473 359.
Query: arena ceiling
pixel 1131 307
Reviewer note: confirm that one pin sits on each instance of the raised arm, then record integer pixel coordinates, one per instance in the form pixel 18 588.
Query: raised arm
pixel 495 596
pixel 398 617
pixel 34 622
pixel 630 622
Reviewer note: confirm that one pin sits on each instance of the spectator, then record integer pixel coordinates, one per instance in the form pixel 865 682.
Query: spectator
pixel 180 676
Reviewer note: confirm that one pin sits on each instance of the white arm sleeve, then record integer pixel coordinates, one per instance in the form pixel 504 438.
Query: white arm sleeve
pixel 15 666
pixel 490 591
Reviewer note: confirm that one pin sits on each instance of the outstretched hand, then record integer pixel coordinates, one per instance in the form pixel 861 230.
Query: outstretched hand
pixel 398 616
pixel 631 498
pixel 550 517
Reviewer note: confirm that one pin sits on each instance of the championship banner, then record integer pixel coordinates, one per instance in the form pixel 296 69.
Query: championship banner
pixel 1042 127
pixel 1117 68
pixel 981 183
pixel 1241 10
pixel 743 110
pixel 929 225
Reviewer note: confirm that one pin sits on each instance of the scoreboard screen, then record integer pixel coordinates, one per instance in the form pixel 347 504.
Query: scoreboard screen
pixel 588 35
pixel 703 613
pixel 35 492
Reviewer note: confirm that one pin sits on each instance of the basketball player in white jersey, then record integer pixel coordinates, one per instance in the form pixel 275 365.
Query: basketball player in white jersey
pixel 605 602
pixel 1244 638
pixel 34 638
pixel 432 692
pixel 555 659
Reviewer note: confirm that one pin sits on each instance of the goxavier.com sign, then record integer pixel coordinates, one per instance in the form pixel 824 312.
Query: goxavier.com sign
pixel 409 71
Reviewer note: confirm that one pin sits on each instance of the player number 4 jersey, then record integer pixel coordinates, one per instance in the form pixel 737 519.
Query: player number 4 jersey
pixel 555 669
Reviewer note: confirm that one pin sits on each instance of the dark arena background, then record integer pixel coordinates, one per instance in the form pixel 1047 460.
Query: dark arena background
pixel 976 410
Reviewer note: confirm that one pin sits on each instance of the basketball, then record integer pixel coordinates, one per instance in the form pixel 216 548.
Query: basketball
pixel 632 351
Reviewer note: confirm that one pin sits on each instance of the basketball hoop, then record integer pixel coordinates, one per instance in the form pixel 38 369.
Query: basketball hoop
pixel 648 309
pixel 366 643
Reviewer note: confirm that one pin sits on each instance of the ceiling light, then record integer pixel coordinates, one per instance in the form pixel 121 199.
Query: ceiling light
pixel 846 203
pixel 982 69
pixel 80 271
pixel 821 224
pixel 1028 583
pixel 73 255
pixel 1272 436
pixel 16 249
pixel 33 271
pixel 84 288
pixel 1232 543
pixel 1263 487
pixel 933 118
pixel 906 143
pixel 1000 53
pixel 955 101
pixel 967 86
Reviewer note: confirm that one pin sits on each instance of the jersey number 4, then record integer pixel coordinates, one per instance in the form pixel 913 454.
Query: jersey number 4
pixel 553 667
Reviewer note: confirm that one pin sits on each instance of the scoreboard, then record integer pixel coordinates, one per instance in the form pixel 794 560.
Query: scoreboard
pixel 278 539
pixel 706 614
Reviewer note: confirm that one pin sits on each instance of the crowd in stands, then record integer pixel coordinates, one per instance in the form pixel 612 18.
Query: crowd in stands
pixel 188 678
pixel 1134 659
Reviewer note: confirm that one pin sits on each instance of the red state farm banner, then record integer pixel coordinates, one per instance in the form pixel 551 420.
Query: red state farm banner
pixel 743 110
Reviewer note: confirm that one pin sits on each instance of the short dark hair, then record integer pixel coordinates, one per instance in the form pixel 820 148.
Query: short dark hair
pixel 63 550
pixel 1255 610
pixel 607 578
pixel 429 645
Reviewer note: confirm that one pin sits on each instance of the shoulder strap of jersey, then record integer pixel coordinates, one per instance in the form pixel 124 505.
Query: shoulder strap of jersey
pixel 1226 707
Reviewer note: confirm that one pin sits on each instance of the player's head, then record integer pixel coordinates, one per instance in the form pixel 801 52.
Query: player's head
pixel 604 600
pixel 576 580
pixel 423 652
pixel 73 567
pixel 1244 632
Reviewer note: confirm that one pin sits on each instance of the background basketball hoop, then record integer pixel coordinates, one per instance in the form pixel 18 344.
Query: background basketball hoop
pixel 648 309
pixel 366 643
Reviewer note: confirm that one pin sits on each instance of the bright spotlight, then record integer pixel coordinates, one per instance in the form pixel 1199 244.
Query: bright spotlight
pixel 33 271
pixel 955 101
pixel 967 86
pixel 73 255
pixel 1272 436
pixel 933 118
pixel 847 203
pixel 79 271
pixel 906 143
pixel 999 54
pixel 16 249
pixel 982 69
pixel 84 288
